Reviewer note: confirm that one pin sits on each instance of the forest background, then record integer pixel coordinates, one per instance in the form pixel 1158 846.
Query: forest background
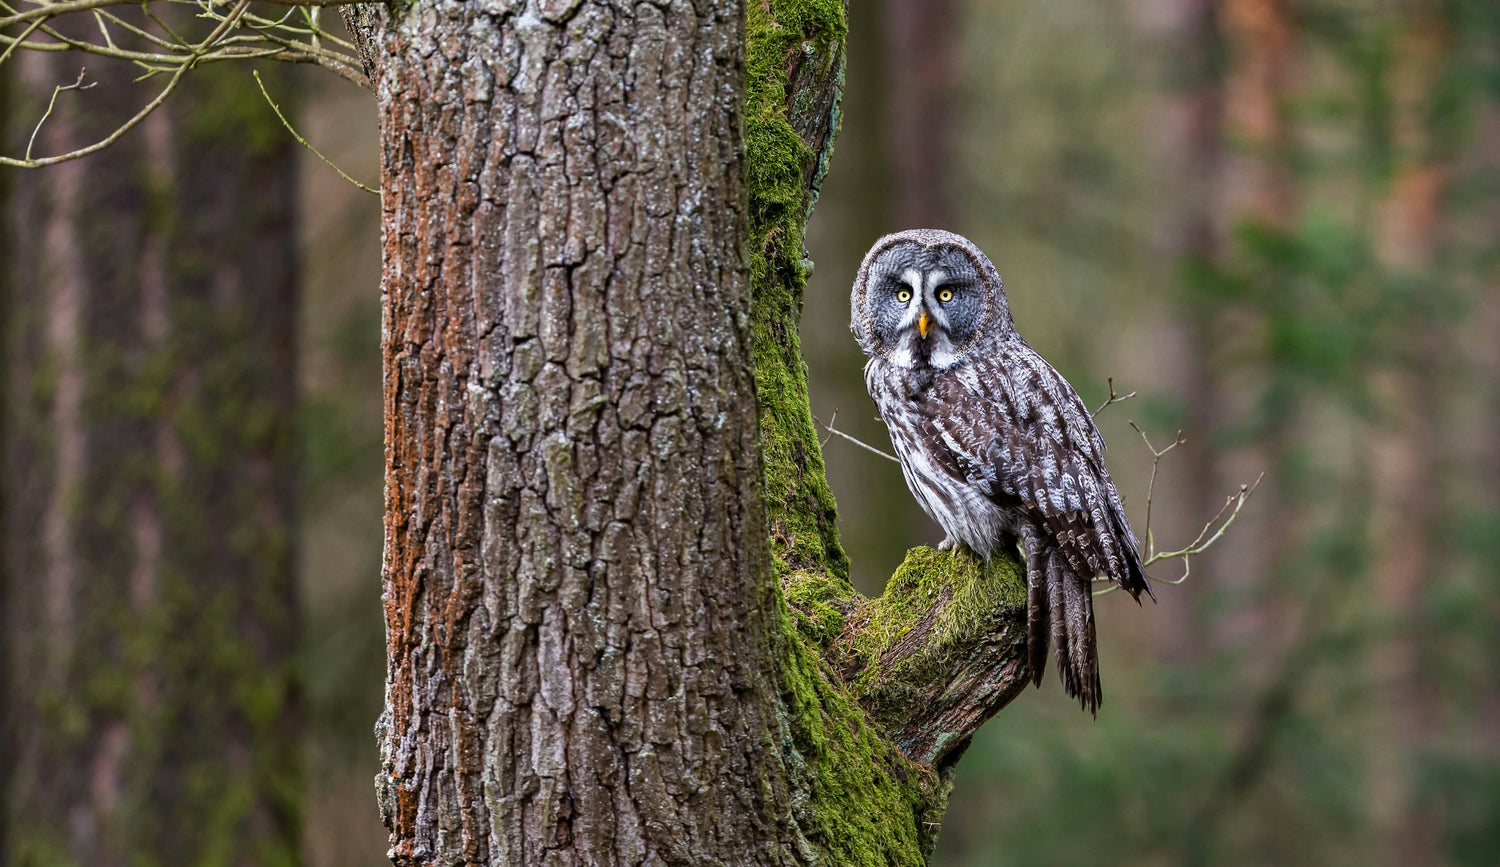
pixel 1279 224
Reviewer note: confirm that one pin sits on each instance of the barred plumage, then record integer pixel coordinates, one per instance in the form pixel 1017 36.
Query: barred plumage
pixel 994 444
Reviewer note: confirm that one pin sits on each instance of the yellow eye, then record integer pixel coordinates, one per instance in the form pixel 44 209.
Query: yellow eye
pixel 903 296
pixel 945 295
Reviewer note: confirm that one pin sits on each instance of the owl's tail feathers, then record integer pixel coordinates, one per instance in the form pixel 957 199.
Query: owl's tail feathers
pixel 1133 577
pixel 1060 607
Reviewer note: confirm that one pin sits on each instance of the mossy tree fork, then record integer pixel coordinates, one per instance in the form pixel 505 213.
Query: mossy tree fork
pixel 596 409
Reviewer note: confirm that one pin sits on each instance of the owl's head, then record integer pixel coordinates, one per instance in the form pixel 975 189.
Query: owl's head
pixel 924 297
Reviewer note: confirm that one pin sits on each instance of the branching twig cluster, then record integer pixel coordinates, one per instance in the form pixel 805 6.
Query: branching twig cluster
pixel 160 43
pixel 1114 398
pixel 1212 531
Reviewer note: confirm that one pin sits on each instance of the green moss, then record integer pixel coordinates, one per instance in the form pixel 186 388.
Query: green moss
pixel 819 605
pixel 781 36
pixel 863 803
pixel 960 593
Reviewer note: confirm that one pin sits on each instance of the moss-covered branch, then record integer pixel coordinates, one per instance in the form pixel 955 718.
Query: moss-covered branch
pixel 880 695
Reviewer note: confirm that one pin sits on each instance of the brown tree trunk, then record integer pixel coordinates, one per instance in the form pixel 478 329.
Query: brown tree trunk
pixel 149 617
pixel 591 658
pixel 574 524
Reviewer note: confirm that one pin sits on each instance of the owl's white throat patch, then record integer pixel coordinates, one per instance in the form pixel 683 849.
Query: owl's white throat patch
pixel 938 353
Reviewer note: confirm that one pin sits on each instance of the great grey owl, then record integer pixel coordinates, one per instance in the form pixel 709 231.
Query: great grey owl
pixel 995 445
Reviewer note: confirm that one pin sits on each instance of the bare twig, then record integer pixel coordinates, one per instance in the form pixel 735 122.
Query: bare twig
pixel 51 103
pixel 1212 531
pixel 15 43
pixel 65 7
pixel 866 446
pixel 160 44
pixel 305 143
pixel 1156 456
pixel 291 34
pixel 1113 398
pixel 831 419
pixel 1204 540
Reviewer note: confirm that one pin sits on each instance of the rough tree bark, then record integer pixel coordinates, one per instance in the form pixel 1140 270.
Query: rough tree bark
pixel 603 481
pixel 148 611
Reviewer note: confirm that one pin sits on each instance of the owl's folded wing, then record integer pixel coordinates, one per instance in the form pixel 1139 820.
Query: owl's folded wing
pixel 1018 431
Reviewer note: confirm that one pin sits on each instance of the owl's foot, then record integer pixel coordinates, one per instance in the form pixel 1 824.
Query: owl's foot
pixel 948 544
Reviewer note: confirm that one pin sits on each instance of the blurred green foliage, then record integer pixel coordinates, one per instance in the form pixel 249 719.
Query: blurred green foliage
pixel 1293 703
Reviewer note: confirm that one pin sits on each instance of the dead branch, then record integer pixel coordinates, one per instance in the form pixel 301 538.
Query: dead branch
pixel 864 445
pixel 1113 398
pixel 226 30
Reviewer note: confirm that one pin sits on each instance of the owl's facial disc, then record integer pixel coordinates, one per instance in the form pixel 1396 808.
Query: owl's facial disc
pixel 921 330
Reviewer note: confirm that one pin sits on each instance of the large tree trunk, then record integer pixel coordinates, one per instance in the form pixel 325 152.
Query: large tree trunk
pixel 574 526
pixel 149 617
pixel 591 657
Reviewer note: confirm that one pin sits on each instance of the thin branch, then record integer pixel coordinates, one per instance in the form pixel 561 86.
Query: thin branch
pixel 236 34
pixel 1204 541
pixel 52 103
pixel 14 43
pixel 188 62
pixel 1113 398
pixel 866 446
pixel 305 143
pixel 1156 456
pixel 831 419
pixel 292 36
pixel 55 10
pixel 113 137
pixel 1212 531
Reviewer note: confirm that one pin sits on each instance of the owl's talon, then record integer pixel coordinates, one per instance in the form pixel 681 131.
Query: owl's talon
pixel 947 544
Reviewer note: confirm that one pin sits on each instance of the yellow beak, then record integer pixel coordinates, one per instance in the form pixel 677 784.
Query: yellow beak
pixel 922 321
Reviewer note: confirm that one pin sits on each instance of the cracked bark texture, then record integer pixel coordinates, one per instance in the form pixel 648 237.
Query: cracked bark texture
pixel 574 529
pixel 149 619
pixel 596 415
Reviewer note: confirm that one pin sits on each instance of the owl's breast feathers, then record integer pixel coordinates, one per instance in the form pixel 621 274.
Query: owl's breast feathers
pixel 1006 429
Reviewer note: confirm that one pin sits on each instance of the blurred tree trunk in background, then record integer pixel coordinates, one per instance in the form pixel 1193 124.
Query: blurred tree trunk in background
pixel 151 703
pixel 1194 109
pixel 1409 554
pixel 8 741
pixel 1259 190
pixel 919 65
pixel 1260 37
pixel 1487 353
pixel 1252 151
